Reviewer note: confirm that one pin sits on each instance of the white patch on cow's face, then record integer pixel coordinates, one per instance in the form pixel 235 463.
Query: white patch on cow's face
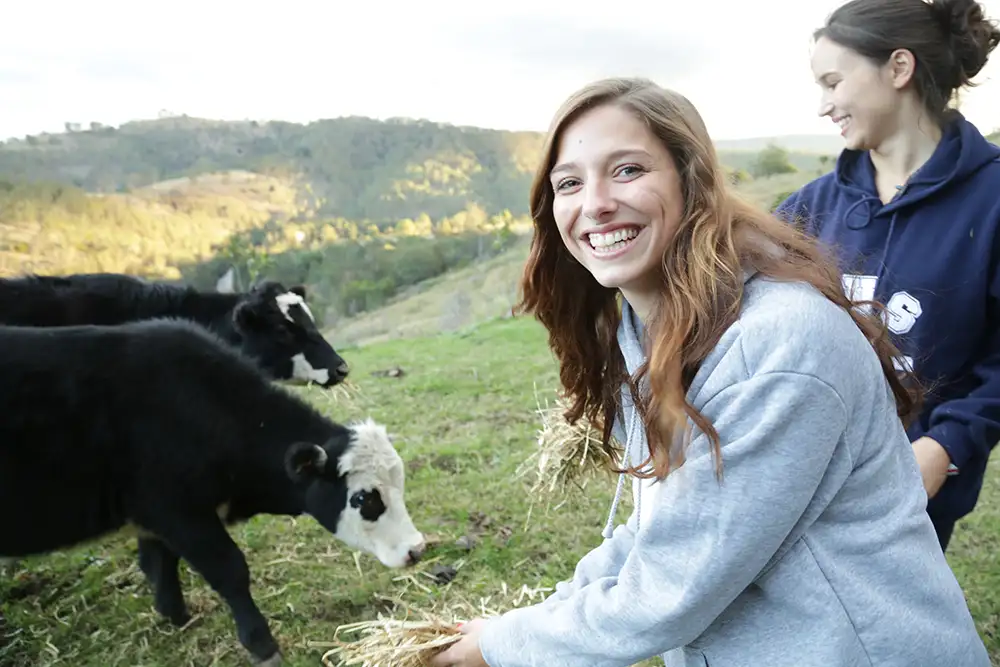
pixel 371 462
pixel 287 300
pixel 302 370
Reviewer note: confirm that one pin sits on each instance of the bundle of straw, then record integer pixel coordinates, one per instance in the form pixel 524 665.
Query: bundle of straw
pixel 400 643
pixel 386 642
pixel 567 455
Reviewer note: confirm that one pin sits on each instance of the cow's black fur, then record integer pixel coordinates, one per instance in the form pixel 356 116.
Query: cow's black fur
pixel 250 321
pixel 156 424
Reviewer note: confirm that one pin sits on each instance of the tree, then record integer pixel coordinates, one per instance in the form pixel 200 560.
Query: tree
pixel 771 161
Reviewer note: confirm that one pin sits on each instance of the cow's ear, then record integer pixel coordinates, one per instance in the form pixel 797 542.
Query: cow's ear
pixel 247 318
pixel 298 289
pixel 304 460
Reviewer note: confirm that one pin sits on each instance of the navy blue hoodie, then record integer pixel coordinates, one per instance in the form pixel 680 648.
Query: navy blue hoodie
pixel 931 256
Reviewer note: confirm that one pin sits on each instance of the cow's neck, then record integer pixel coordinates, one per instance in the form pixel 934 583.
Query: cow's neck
pixel 210 309
pixel 281 423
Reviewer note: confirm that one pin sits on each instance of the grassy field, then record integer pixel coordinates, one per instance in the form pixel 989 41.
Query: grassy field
pixel 465 415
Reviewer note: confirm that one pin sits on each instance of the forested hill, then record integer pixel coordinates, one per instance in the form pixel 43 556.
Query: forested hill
pixel 355 168
pixel 357 208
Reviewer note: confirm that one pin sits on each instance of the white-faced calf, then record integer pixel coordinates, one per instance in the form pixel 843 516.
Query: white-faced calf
pixel 159 425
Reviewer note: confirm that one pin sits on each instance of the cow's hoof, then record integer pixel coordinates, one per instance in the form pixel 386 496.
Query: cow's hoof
pixel 176 615
pixel 273 661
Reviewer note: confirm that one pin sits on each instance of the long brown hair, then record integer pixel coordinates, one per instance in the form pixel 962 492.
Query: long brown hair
pixel 719 234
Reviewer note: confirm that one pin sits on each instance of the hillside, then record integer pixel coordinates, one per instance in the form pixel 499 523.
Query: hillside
pixel 483 290
pixel 356 168
pixel 449 302
pixel 355 208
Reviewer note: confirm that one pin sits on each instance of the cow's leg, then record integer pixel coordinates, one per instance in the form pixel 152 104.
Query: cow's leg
pixel 159 564
pixel 208 548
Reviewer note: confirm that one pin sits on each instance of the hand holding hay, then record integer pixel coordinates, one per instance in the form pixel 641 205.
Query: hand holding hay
pixel 567 454
pixel 413 642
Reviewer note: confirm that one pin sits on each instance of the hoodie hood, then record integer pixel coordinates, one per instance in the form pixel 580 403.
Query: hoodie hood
pixel 631 433
pixel 961 152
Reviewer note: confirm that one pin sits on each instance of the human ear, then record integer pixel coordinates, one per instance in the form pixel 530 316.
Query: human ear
pixel 901 67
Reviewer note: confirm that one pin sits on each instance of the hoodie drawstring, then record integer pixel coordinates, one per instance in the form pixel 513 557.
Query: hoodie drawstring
pixel 626 460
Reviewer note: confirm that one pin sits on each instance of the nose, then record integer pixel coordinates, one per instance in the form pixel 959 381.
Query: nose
pixel 825 108
pixel 343 370
pixel 599 202
pixel 414 555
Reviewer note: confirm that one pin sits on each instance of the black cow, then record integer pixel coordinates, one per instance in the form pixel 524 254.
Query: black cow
pixel 270 324
pixel 160 427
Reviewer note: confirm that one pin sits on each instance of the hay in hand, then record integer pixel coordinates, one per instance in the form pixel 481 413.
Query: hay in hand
pixel 567 455
pixel 386 641
pixel 412 642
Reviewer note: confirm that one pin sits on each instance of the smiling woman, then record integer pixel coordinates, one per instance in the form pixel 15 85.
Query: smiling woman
pixel 774 491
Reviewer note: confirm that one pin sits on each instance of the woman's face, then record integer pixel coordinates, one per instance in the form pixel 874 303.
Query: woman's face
pixel 617 198
pixel 857 95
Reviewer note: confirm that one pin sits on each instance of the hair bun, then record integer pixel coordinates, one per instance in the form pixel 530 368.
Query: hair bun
pixel 973 37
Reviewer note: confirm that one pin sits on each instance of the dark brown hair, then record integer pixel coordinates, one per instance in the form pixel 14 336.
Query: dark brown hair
pixel 951 41
pixel 719 234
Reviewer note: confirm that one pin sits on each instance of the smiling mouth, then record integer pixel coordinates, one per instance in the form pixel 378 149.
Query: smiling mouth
pixel 843 123
pixel 612 242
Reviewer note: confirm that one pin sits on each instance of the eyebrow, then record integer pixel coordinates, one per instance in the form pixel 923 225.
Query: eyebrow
pixel 614 155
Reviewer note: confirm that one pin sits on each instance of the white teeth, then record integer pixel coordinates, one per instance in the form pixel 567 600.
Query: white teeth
pixel 613 240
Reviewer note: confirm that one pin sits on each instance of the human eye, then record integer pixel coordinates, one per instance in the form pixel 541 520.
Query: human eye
pixel 566 183
pixel 629 170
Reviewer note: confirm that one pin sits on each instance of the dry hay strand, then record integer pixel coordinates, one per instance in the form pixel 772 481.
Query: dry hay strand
pixel 344 395
pixel 567 455
pixel 412 642
pixel 345 392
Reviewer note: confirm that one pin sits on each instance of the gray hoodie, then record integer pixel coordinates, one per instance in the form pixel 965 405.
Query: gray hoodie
pixel 814 551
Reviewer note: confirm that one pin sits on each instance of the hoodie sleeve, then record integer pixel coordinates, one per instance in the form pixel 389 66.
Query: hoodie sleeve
pixel 969 427
pixel 605 560
pixel 703 542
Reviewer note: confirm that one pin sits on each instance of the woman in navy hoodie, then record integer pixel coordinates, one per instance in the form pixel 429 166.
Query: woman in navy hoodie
pixel 912 208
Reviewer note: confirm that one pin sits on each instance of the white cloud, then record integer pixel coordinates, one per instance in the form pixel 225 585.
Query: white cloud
pixel 745 65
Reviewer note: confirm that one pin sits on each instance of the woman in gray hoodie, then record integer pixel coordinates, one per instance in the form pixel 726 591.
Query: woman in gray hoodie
pixel 779 513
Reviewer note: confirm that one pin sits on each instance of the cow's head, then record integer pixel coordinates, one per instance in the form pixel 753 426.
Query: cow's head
pixel 278 330
pixel 353 486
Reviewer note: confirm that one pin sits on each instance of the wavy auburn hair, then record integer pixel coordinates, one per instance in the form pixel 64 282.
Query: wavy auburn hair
pixel 702 282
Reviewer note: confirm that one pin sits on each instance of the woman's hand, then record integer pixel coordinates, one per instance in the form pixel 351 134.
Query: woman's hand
pixel 465 652
pixel 933 460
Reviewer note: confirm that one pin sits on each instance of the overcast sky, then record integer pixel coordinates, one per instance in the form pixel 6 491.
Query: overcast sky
pixel 506 66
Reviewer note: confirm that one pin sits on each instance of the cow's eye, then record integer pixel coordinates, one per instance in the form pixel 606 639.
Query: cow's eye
pixel 368 503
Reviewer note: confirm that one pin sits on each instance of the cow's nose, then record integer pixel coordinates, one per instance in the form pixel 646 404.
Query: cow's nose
pixel 343 370
pixel 415 554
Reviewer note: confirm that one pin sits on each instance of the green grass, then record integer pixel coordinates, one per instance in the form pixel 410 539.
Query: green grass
pixel 464 413
pixel 450 302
